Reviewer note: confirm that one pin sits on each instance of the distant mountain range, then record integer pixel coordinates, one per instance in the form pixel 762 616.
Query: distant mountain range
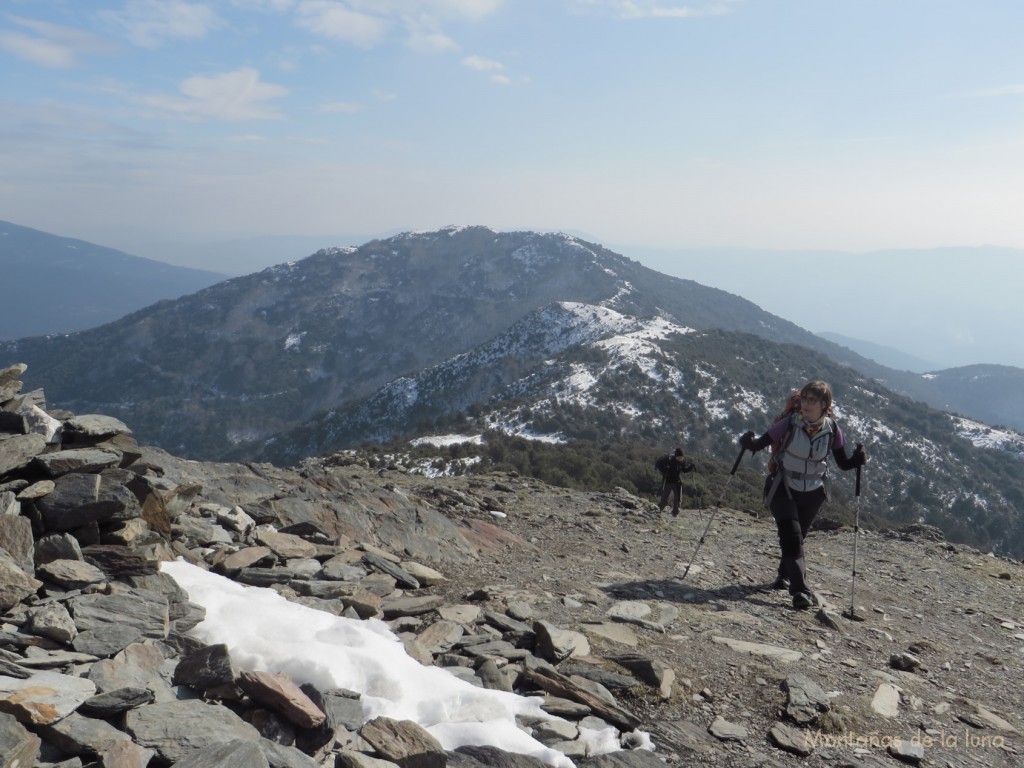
pixel 55 284
pixel 542 335
pixel 881 354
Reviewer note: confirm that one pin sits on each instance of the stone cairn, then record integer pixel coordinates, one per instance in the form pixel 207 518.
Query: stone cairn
pixel 96 665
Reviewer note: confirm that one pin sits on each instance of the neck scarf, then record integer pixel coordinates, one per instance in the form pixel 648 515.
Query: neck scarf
pixel 812 427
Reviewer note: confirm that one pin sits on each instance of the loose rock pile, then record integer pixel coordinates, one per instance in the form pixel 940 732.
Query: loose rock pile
pixel 96 664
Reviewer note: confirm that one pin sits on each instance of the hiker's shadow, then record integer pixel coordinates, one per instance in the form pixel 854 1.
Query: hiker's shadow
pixel 677 591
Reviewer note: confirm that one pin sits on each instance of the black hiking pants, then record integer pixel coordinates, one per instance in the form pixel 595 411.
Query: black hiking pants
pixel 671 492
pixel 794 511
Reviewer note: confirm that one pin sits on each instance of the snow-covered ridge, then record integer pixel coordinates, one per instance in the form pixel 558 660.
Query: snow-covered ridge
pixel 984 436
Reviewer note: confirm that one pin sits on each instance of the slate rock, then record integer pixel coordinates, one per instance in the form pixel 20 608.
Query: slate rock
pixel 18 747
pixel 17 452
pixel 791 739
pixel 79 735
pixel 404 579
pixel 9 504
pixel 112 703
pixel 403 742
pixel 16 538
pixel 177 729
pixel 556 644
pixel 143 610
pixel 53 621
pixel 359 760
pixel 139 665
pixel 15 584
pixel 279 693
pixel 39 422
pixel 125 754
pixel 723 730
pixel 78 500
pixel 118 561
pixel 207 670
pixel 283 756
pixel 410 606
pixel 44 697
pixel 94 425
pixel 231 754
pixel 106 641
pixel 57 546
pixel 86 460
pixel 343 708
pixel 71 574
pixel 886 700
pixel 806 699
pixel 637 758
pixel 498 758
pixel 907 751
pixel 285 545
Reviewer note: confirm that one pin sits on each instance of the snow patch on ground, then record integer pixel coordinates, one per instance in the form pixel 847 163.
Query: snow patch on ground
pixel 442 441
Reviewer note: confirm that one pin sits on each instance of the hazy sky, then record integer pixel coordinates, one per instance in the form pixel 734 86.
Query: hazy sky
pixel 664 123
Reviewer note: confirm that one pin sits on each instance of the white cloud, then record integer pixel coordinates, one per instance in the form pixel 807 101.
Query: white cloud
pixel 426 36
pixel 237 95
pixel 482 64
pixel 658 9
pixel 366 23
pixel 52 45
pixel 470 9
pixel 263 5
pixel 338 21
pixel 149 23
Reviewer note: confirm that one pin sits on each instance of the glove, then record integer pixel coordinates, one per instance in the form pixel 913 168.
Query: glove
pixel 747 441
pixel 859 457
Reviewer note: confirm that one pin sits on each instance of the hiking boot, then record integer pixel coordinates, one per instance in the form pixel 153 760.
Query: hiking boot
pixel 802 600
pixel 675 512
pixel 781 582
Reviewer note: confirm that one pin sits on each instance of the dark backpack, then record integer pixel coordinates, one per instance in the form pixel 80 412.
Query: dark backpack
pixel 662 465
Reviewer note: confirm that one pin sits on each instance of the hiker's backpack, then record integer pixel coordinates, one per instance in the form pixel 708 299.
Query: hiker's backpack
pixel 662 465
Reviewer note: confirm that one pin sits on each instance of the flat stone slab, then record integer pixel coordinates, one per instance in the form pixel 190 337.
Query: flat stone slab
pixel 760 649
pixel 886 700
pixel 44 697
pixel 617 633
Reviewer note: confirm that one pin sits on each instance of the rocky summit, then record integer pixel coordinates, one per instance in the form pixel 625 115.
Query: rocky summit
pixel 506 582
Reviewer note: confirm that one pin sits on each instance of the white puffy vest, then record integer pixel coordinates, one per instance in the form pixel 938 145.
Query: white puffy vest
pixel 803 458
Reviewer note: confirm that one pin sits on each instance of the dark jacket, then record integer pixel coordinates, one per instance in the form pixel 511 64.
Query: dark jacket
pixel 672 470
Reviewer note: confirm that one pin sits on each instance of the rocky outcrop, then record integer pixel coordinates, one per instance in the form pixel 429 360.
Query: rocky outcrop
pixel 96 661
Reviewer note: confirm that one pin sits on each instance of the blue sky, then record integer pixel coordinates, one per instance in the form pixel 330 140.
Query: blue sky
pixel 755 123
pixel 661 124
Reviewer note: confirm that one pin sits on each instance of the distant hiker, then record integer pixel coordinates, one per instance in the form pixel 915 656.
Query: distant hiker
pixel 795 490
pixel 672 468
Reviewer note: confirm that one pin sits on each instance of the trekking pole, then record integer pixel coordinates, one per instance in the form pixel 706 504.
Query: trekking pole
pixel 852 613
pixel 700 502
pixel 711 519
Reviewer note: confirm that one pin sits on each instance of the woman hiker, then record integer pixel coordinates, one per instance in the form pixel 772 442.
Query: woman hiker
pixel 795 491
